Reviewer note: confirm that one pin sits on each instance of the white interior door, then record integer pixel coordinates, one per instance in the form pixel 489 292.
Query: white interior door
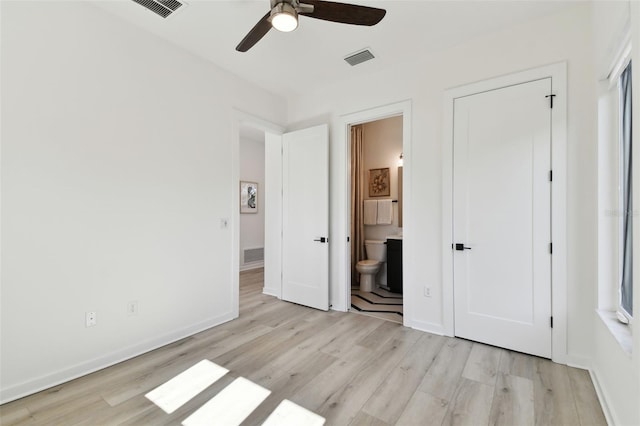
pixel 305 198
pixel 502 211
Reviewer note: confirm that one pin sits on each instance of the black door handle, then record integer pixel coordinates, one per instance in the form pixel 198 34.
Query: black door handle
pixel 461 247
pixel 322 240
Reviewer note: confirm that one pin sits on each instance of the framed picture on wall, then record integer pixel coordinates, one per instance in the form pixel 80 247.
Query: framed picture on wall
pixel 248 197
pixel 379 185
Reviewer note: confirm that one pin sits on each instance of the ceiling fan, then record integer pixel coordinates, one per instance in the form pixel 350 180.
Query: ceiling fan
pixel 283 16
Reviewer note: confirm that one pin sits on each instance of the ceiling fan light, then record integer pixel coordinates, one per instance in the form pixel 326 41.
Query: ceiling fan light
pixel 284 17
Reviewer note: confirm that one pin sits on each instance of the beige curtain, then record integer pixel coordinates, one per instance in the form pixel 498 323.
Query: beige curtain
pixel 357 197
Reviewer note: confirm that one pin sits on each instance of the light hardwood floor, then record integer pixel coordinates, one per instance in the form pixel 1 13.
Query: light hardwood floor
pixel 349 368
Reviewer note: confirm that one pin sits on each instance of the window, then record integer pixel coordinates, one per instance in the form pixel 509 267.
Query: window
pixel 626 196
pixel 615 196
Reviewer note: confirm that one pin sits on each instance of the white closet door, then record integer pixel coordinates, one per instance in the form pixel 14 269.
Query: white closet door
pixel 502 211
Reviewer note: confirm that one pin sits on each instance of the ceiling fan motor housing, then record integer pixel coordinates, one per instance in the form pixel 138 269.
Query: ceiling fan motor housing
pixel 284 17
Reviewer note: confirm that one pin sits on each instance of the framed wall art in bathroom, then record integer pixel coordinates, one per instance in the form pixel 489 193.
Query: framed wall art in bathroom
pixel 379 185
pixel 248 197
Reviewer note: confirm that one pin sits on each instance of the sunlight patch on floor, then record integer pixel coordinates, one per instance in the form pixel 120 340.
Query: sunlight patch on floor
pixel 231 406
pixel 176 392
pixel 290 414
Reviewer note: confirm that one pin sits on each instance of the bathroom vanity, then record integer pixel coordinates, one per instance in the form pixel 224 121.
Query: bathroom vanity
pixel 394 264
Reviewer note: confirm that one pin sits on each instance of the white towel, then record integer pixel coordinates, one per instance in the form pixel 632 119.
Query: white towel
pixel 370 212
pixel 385 212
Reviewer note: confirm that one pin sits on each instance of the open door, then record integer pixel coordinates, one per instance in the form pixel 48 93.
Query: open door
pixel 305 214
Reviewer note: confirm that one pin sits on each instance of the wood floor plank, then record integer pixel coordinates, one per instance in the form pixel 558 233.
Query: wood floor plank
pixel 335 330
pixel 325 384
pixel 424 410
pixel 13 416
pixel 265 349
pixel 471 404
pixel 517 364
pixel 443 376
pixel 287 359
pixel 344 403
pixel 286 385
pixel 390 398
pixel 482 364
pixel 66 413
pixel 513 401
pixel 339 342
pixel 587 404
pixel 379 335
pixel 364 419
pixel 553 397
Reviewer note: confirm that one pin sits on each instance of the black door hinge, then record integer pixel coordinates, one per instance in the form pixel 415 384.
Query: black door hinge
pixel 550 248
pixel 550 99
pixel 550 175
pixel 551 320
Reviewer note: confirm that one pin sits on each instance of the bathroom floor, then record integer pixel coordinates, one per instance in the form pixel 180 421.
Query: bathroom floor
pixel 379 303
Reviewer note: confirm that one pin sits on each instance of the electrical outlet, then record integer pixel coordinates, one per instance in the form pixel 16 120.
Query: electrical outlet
pixel 132 308
pixel 427 292
pixel 91 319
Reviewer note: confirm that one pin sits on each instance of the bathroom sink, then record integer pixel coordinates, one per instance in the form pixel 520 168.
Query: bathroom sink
pixel 394 237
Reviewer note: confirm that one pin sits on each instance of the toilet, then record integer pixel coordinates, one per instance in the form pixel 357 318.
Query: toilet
pixel 376 251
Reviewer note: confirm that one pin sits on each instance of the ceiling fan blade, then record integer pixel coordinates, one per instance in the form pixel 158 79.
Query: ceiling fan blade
pixel 344 13
pixel 257 32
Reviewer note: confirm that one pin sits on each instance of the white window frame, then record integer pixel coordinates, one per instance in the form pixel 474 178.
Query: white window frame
pixel 615 167
pixel 615 81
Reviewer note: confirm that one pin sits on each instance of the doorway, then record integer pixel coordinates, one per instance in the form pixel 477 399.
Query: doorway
pixel 251 187
pixel 376 223
pixel 341 293
pixel 288 187
pixel 266 237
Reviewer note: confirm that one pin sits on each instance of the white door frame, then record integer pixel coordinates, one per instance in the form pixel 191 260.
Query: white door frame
pixel 343 300
pixel 241 118
pixel 558 74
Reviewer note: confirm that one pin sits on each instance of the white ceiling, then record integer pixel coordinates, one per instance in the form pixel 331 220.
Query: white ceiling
pixel 289 63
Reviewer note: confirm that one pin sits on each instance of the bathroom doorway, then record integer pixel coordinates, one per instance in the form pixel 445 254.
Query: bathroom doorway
pixel 375 165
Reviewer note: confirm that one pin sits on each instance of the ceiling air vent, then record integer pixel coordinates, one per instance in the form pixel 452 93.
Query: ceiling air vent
pixel 163 8
pixel 359 57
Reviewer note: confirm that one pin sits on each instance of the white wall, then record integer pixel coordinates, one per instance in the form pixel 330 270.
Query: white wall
pixel 562 37
pixel 116 170
pixel 252 224
pixel 382 145
pixel 616 372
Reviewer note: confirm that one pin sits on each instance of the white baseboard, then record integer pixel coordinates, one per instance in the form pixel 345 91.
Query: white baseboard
pixel 38 384
pixel 602 397
pixel 338 305
pixel 582 363
pixel 427 327
pixel 271 292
